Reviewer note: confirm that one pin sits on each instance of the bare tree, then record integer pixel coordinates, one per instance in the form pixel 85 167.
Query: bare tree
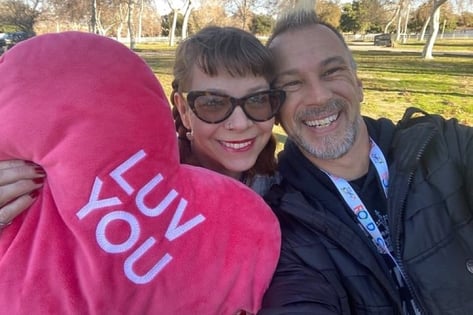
pixel 175 11
pixel 403 4
pixel 74 15
pixel 131 28
pixel 242 10
pixel 121 16
pixel 21 14
pixel 426 22
pixel 434 29
pixel 402 16
pixel 209 14
pixel 406 20
pixel 93 16
pixel 187 14
pixel 140 20
pixel 177 6
pixel 393 18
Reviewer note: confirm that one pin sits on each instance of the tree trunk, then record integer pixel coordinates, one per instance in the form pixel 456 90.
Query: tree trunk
pixel 398 27
pixel 404 39
pixel 386 29
pixel 424 28
pixel 99 29
pixel 434 24
pixel 185 22
pixel 140 21
pixel 119 31
pixel 93 17
pixel 131 32
pixel 443 28
pixel 172 31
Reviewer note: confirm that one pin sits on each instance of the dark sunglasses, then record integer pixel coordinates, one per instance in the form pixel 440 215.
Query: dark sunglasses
pixel 213 107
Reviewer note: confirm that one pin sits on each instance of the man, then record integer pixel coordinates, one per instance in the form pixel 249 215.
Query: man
pixel 376 218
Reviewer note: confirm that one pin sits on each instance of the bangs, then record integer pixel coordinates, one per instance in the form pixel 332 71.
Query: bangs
pixel 239 56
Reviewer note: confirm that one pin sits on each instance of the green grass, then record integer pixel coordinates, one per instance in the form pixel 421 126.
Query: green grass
pixel 442 45
pixel 396 80
pixel 393 79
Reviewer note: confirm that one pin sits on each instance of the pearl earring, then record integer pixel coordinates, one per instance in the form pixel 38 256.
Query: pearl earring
pixel 190 135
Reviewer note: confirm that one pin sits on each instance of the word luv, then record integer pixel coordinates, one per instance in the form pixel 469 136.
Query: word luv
pixel 175 229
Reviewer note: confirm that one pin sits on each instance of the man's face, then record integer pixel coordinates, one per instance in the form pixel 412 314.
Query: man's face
pixel 322 108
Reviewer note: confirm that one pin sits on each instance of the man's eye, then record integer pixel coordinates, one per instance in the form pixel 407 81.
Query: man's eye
pixel 333 71
pixel 291 86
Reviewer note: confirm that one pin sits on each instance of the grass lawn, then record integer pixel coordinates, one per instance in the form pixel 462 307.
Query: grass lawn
pixel 396 80
pixel 393 79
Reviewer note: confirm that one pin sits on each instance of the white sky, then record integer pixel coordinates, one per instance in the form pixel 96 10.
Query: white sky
pixel 163 7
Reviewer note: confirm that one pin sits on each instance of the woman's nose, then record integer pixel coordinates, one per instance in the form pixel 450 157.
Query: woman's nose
pixel 238 120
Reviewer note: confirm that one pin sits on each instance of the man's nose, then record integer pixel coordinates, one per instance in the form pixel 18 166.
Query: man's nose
pixel 317 91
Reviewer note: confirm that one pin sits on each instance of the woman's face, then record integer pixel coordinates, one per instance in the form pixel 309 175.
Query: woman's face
pixel 232 146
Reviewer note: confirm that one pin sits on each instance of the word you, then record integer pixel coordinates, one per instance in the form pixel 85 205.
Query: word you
pixel 175 229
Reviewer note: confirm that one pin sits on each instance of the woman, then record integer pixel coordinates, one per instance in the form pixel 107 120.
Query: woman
pixel 224 113
pixel 117 210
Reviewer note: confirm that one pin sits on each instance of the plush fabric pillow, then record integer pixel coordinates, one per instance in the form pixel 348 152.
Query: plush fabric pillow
pixel 119 227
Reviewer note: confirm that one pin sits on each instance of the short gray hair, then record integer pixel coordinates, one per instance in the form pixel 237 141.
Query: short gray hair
pixel 301 18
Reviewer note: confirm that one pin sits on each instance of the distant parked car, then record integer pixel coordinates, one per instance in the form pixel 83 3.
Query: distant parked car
pixel 11 39
pixel 3 43
pixel 383 40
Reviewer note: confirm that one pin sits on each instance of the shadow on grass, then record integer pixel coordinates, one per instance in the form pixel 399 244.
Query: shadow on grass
pixel 160 62
pixel 403 91
pixel 410 62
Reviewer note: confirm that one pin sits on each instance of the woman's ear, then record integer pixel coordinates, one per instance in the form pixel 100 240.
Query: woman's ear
pixel 277 119
pixel 183 110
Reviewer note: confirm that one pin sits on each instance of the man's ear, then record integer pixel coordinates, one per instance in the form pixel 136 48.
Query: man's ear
pixel 183 109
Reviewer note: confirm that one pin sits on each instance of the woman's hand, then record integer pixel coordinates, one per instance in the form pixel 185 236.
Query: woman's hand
pixel 19 184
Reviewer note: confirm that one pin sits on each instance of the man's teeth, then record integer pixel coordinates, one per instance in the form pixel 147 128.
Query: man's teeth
pixel 236 146
pixel 321 122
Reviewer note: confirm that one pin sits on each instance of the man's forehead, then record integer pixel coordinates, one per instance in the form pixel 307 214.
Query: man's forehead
pixel 307 45
pixel 310 34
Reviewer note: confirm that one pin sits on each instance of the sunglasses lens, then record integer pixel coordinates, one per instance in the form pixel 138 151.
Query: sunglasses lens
pixel 212 108
pixel 262 106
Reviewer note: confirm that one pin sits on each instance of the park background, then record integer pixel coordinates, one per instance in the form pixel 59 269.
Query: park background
pixel 428 64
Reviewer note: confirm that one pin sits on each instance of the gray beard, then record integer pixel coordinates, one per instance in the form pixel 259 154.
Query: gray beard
pixel 333 147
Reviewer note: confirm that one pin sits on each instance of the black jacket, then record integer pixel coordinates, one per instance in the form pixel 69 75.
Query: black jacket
pixel 329 266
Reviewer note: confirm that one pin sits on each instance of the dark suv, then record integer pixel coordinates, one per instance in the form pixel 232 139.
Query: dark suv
pixel 3 43
pixel 11 39
pixel 383 40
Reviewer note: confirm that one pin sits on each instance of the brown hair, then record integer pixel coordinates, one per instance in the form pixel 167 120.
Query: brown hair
pixel 227 49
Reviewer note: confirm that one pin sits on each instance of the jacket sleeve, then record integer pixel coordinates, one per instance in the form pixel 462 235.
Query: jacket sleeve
pixel 299 289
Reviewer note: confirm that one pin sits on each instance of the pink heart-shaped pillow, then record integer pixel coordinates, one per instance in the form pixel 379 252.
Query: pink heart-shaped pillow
pixel 120 227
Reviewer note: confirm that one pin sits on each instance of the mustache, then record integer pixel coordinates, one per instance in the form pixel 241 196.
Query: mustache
pixel 331 106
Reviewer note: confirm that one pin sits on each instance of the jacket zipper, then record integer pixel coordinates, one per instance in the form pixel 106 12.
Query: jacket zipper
pixel 408 281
